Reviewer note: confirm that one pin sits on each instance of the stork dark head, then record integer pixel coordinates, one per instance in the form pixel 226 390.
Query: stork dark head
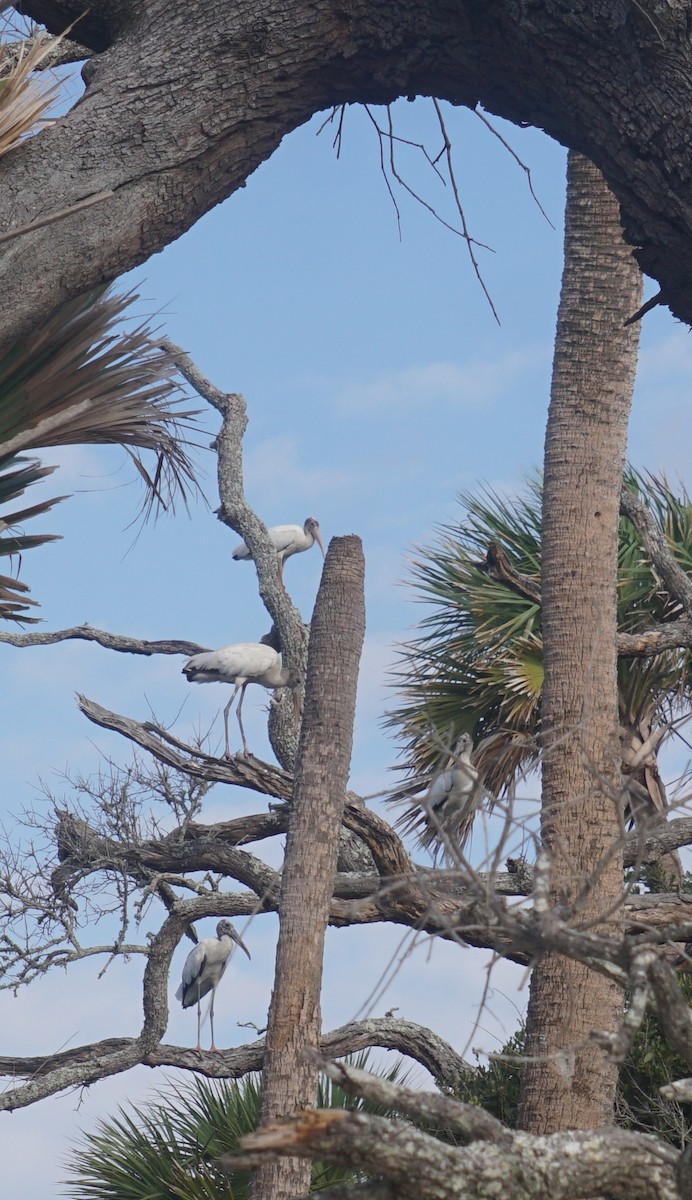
pixel 226 929
pixel 312 526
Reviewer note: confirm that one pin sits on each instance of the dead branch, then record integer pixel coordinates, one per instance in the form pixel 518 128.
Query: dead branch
pixel 236 513
pixel 244 772
pixel 467 1121
pixel 111 641
pixel 61 54
pixel 558 1167
pixel 676 580
pixel 497 566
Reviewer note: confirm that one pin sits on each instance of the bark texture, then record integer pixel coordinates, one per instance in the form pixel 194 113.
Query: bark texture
pixel 571 1083
pixel 185 100
pixel 289 1081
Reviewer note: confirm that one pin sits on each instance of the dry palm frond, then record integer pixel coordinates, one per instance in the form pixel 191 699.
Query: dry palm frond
pixel 81 379
pixel 84 378
pixel 24 99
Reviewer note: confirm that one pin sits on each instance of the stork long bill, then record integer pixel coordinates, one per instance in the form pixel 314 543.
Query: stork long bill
pixel 237 938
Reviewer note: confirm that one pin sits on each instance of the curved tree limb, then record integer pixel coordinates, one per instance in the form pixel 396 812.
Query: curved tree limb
pixel 561 1166
pixel 82 1064
pixel 569 70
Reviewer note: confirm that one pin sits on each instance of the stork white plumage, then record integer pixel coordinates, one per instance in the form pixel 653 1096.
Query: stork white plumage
pixel 287 540
pixel 240 664
pixel 203 969
pixel 444 816
pixel 452 799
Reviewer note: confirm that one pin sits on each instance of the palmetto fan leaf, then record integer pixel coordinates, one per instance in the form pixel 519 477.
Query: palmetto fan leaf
pixel 86 378
pixel 16 474
pixel 476 664
pixel 165 1150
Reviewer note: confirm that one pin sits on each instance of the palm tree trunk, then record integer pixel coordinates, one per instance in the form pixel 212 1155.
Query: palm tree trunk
pixel 571 1083
pixel 312 843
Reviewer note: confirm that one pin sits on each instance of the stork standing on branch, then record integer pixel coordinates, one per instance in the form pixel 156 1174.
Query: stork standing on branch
pixel 204 967
pixel 445 815
pixel 241 664
pixel 287 540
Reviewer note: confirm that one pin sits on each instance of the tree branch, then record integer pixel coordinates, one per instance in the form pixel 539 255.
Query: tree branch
pixel 82 1063
pixel 562 1166
pixel 236 513
pixel 111 641
pixel 247 772
pixel 655 544
pixel 467 1121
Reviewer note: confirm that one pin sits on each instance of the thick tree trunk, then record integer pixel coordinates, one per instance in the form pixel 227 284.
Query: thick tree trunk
pixel 166 145
pixel 312 843
pixel 571 1082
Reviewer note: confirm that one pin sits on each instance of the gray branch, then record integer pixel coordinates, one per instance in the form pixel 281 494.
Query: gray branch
pixel 49 1074
pixel 467 1121
pixel 244 772
pixel 562 1166
pixel 654 541
pixel 236 513
pixel 111 641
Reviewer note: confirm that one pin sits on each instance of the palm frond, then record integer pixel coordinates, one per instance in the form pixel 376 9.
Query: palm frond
pixel 24 99
pixel 476 663
pixel 166 1150
pixel 16 474
pixel 84 377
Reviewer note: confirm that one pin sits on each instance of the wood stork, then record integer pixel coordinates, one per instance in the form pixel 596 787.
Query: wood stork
pixel 203 969
pixel 240 664
pixel 287 540
pixel 445 814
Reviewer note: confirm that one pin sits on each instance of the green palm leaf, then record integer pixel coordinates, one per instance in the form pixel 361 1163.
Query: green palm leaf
pixel 476 664
pixel 165 1150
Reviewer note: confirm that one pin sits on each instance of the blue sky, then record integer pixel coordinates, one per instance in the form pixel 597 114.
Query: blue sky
pixel 378 387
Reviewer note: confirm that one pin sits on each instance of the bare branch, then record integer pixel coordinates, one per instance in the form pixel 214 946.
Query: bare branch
pixel 61 54
pixel 248 772
pixel 616 1162
pixel 82 1064
pixel 111 641
pixel 469 1122
pixel 654 541
pixel 237 514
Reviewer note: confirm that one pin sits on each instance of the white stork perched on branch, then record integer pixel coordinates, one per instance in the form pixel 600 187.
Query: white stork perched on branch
pixel 287 540
pixel 203 969
pixel 240 664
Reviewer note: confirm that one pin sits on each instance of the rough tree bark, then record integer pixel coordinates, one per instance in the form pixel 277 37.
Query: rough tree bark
pixel 337 629
pixel 593 377
pixel 172 143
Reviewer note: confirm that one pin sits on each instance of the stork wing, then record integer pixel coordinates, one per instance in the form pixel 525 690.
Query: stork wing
pixel 194 965
pixel 283 536
pixel 439 790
